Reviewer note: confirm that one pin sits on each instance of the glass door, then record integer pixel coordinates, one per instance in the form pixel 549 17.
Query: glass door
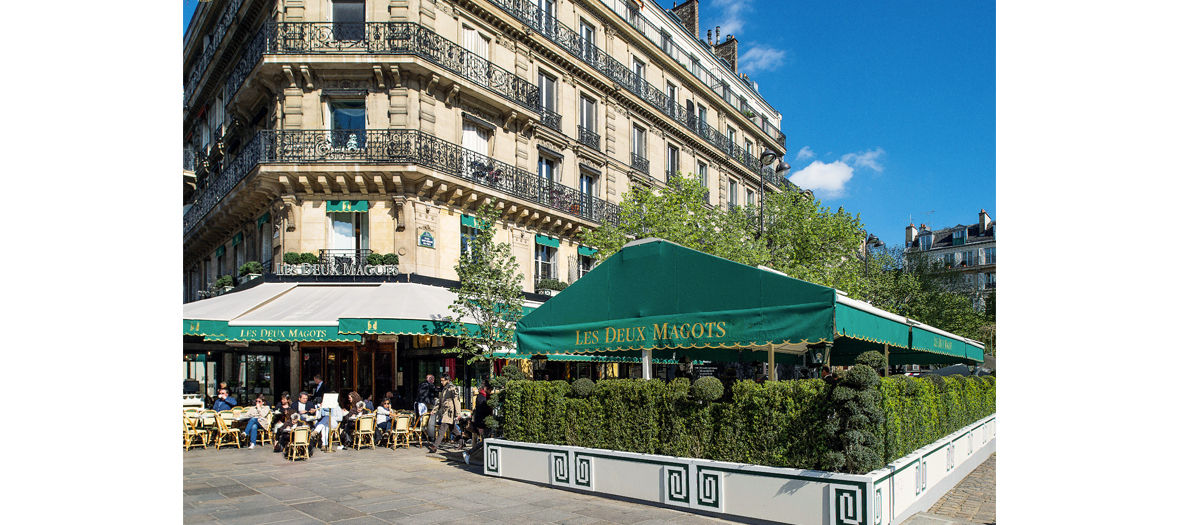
pixel 338 368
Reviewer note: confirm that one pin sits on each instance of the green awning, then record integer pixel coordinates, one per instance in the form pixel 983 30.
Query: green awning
pixel 929 341
pixel 398 326
pixel 265 218
pixel 592 358
pixel 284 333
pixel 220 251
pixel 347 206
pixel 654 294
pixel 205 327
pixel 236 240
pixel 545 240
pixel 874 327
pixel 588 252
pixel 974 353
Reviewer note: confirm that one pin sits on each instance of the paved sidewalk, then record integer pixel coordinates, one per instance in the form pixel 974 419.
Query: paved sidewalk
pixel 231 486
pixel 973 500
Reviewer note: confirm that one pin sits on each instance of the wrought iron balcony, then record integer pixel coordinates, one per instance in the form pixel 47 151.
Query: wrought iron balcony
pixel 639 163
pixel 550 120
pixel 339 259
pixel 217 189
pixel 587 137
pixel 215 37
pixel 571 41
pixel 382 38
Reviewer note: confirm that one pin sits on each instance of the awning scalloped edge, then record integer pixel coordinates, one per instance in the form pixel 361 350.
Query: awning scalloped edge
pixel 746 344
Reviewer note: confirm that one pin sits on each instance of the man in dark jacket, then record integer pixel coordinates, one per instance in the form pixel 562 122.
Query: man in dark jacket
pixel 829 378
pixel 321 388
pixel 427 392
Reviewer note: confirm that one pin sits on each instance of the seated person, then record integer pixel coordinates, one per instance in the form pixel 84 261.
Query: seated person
pixel 384 412
pixel 224 401
pixel 348 423
pixel 256 413
pixel 329 417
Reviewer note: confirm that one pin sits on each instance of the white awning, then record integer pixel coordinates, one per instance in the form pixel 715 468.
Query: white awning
pixel 307 305
pixel 229 306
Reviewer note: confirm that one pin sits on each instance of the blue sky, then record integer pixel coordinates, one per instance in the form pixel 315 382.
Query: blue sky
pixel 888 107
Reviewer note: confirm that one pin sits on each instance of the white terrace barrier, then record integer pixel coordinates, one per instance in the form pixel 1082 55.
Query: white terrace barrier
pixel 803 497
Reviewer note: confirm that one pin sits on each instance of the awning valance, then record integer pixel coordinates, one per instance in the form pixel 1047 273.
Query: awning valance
pixel 236 240
pixel 590 358
pixel 220 251
pixel 858 320
pixel 545 240
pixel 265 218
pixel 347 206
pixel 588 252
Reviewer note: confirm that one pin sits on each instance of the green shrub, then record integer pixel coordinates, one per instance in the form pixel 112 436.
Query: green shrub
pixel 708 389
pixel 373 259
pixel 309 258
pixel 224 281
pixel 873 359
pixel 390 258
pixel 583 387
pixel 249 268
pixel 292 258
pixel 551 284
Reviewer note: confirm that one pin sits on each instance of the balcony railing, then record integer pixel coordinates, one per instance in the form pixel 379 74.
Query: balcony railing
pixel 215 37
pixel 235 171
pixel 339 259
pixel 382 38
pixel 550 120
pixel 587 137
pixel 640 164
pixel 571 41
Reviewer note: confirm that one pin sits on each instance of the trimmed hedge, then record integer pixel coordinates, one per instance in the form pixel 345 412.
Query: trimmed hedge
pixel 778 424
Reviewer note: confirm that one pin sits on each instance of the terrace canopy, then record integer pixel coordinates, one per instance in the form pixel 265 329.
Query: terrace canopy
pixel 660 300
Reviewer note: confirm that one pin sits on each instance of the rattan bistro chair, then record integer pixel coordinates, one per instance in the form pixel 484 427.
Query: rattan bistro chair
pixel 363 432
pixel 300 443
pixel 225 431
pixel 400 433
pixel 417 433
pixel 193 436
pixel 265 432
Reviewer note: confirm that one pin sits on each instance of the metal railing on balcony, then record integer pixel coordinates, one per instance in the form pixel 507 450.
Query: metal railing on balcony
pixel 381 38
pixel 550 120
pixel 587 137
pixel 636 20
pixel 340 259
pixel 215 37
pixel 571 41
pixel 234 172
pixel 640 164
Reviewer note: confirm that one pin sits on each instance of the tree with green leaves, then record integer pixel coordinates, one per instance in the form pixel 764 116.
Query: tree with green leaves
pixel 490 294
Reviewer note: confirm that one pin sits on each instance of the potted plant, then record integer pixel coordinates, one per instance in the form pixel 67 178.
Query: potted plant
pixel 550 287
pixel 309 258
pixel 224 284
pixel 389 259
pixel 249 271
pixel 749 114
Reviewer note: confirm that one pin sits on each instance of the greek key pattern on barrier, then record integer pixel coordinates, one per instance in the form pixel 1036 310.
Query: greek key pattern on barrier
pixel 583 469
pixel 709 489
pixel 676 483
pixel 492 460
pixel 848 506
pixel 877 507
pixel 561 467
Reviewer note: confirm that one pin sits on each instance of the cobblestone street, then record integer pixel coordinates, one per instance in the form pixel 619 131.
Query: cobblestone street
pixel 973 500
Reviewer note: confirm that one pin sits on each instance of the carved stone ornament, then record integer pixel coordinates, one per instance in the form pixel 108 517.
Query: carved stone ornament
pixel 346 83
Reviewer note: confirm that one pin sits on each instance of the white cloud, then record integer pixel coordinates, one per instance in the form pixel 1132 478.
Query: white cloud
pixel 733 18
pixel 759 58
pixel 827 180
pixel 866 159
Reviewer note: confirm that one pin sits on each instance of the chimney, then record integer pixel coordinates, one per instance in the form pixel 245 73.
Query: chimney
pixel 727 50
pixel 911 235
pixel 985 220
pixel 689 17
pixel 710 32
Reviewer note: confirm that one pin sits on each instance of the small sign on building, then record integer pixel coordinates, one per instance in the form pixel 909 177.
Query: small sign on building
pixel 425 239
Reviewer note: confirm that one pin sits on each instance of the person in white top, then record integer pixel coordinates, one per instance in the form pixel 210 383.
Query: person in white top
pixel 333 414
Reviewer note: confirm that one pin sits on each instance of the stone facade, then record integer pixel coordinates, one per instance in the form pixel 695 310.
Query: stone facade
pixel 269 84
pixel 969 250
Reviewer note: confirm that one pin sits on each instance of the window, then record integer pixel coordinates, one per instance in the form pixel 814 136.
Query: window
pixel 475 137
pixel 266 239
pixel 348 231
pixel 477 44
pixel 948 260
pixel 673 161
pixel 348 123
pixel 749 148
pixel 547 167
pixel 703 173
pixel 545 12
pixel 587 33
pixel 733 193
pixel 548 87
pixel 732 136
pixel 546 262
pixel 639 142
pixel 589 114
pixel 959 237
pixel 587 184
pixel 990 281
pixel 969 258
pixel 638 67
pixel 989 255
pixel 749 197
pixel 702 120
pixel 348 19
pixel 696 67
pixel 672 100
pixel 466 237
pixel 924 240
pixel 969 279
pixel 585 264
pixel 666 42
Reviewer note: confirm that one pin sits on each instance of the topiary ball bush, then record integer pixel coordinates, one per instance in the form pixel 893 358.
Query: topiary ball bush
pixel 389 258
pixel 373 259
pixel 861 377
pixel 309 258
pixel 249 268
pixel 583 387
pixel 873 359
pixel 292 258
pixel 512 373
pixel 224 281
pixel 708 389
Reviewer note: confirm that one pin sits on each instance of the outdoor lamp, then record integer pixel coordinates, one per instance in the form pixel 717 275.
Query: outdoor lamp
pixel 782 170
pixel 767 157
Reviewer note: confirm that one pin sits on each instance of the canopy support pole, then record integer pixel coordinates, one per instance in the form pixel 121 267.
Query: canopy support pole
pixel 770 363
pixel 647 363
pixel 886 359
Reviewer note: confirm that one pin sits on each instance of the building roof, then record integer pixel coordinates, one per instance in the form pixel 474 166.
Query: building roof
pixel 944 238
